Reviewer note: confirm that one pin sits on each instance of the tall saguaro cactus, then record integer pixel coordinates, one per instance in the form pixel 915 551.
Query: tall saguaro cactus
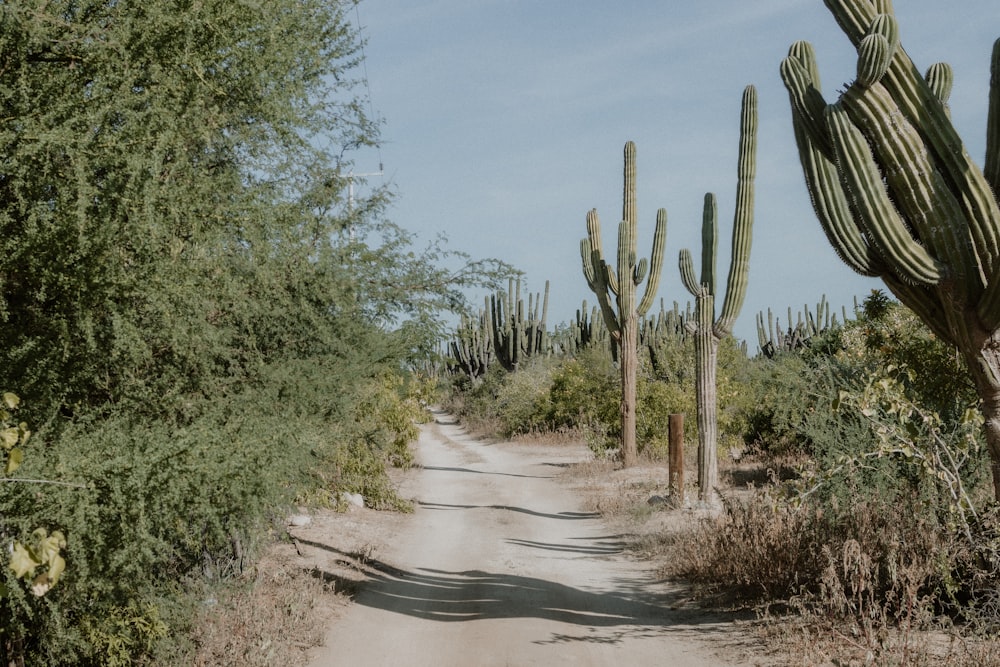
pixel 709 330
pixel 898 195
pixel 615 288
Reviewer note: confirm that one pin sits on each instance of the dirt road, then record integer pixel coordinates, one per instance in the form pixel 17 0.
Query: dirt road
pixel 500 565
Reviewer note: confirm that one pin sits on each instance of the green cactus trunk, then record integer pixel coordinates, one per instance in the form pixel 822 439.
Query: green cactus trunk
pixel 629 366
pixel 616 292
pixel 709 331
pixel 897 194
pixel 706 352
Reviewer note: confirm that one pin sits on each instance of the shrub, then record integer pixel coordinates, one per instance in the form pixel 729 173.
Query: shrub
pixel 860 561
pixel 169 506
pixel 586 393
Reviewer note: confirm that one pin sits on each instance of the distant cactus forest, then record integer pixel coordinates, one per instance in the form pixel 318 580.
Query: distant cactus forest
pixel 205 328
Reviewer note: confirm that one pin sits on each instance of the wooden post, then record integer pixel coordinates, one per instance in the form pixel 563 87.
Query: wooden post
pixel 676 458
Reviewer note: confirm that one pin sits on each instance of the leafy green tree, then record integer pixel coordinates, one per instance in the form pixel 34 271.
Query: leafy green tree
pixel 199 317
pixel 174 210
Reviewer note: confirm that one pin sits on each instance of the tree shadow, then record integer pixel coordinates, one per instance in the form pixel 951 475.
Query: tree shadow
pixel 573 516
pixel 595 548
pixel 631 610
pixel 472 595
pixel 483 472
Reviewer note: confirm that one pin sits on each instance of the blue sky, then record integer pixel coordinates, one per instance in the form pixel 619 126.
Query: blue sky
pixel 505 122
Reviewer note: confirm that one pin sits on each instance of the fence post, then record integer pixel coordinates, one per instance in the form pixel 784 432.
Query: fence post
pixel 676 458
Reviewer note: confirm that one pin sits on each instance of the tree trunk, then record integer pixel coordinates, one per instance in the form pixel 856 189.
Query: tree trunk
pixel 629 361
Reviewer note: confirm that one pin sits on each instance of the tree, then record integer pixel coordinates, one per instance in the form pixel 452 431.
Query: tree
pixel 173 201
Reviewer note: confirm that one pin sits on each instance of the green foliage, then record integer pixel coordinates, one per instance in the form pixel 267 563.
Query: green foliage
pixel 125 632
pixel 793 394
pixel 586 392
pixel 897 193
pixel 203 328
pixel 13 435
pixel 890 335
pixel 167 507
pixel 582 394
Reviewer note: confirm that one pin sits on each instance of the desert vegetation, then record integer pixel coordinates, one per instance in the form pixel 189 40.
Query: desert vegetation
pixel 857 500
pixel 205 328
pixel 876 527
pixel 201 329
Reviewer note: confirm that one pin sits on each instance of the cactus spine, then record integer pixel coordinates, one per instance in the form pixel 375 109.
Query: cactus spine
pixel 898 195
pixel 710 331
pixel 615 287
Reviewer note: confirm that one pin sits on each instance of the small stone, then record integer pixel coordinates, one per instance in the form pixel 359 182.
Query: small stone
pixel 355 499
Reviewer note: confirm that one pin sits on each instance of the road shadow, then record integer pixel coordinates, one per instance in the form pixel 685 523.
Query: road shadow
pixel 633 609
pixel 610 617
pixel 483 472
pixel 594 548
pixel 571 516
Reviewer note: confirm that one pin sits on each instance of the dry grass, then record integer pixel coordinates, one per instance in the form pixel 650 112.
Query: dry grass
pixel 273 619
pixel 859 588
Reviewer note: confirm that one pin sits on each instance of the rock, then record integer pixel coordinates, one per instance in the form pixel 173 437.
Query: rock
pixel 355 499
pixel 299 520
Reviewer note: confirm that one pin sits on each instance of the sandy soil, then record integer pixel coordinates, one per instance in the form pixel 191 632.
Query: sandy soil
pixel 500 564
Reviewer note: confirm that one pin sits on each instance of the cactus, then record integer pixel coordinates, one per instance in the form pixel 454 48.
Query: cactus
pixel 517 334
pixel 897 194
pixel 472 346
pixel 708 330
pixel 656 332
pixel 772 340
pixel 503 332
pixel 615 287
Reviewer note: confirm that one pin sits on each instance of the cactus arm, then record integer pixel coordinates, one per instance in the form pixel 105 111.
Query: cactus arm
pixel 854 16
pixel 596 271
pixel 991 169
pixel 940 79
pixel 925 110
pixel 709 241
pixel 686 265
pixel 762 339
pixel 639 274
pixel 739 267
pixel 543 343
pixel 622 283
pixel 801 76
pixel 590 253
pixel 627 241
pixel 629 207
pixel 861 177
pixel 655 262
pixel 919 191
pixel 828 198
pixel 874 55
